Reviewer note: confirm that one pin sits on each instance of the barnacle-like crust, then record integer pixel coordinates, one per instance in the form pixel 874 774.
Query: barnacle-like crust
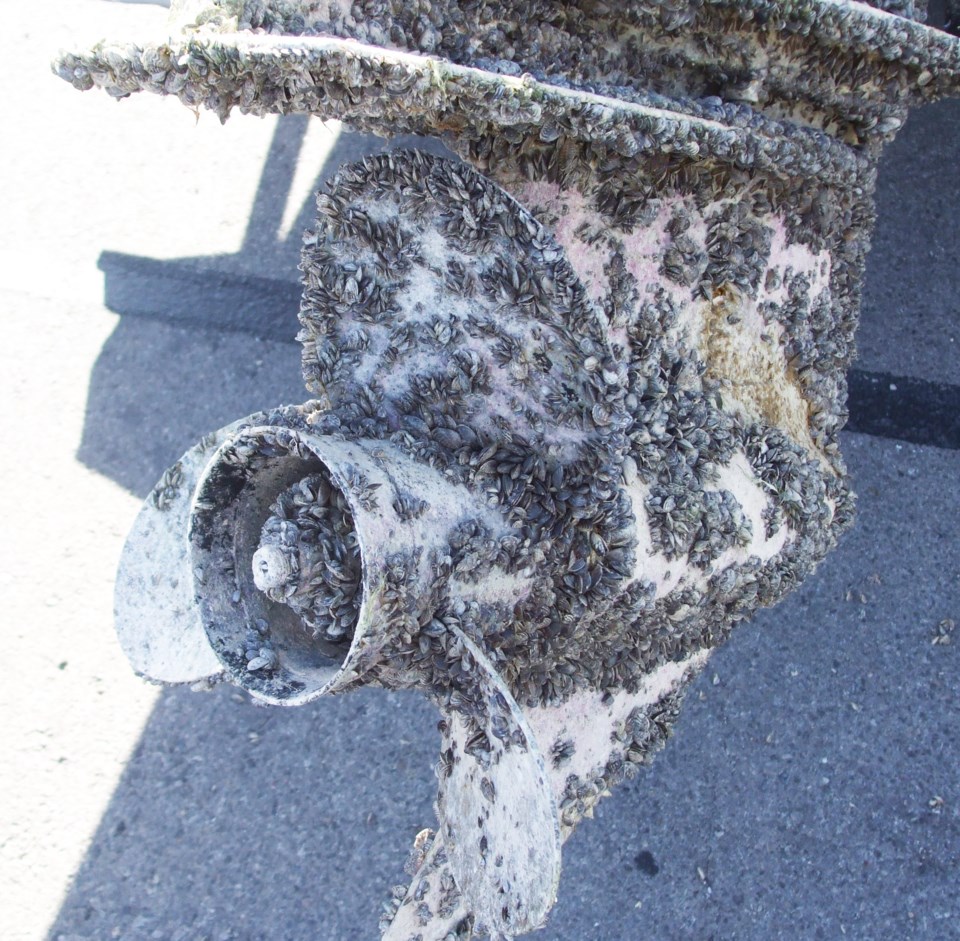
pixel 406 280
pixel 381 91
pixel 842 67
pixel 474 348
pixel 654 505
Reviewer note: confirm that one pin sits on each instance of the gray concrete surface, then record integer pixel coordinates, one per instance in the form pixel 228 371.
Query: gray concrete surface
pixel 812 789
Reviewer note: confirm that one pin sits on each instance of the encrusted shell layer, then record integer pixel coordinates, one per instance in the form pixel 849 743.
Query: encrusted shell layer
pixel 841 67
pixel 654 499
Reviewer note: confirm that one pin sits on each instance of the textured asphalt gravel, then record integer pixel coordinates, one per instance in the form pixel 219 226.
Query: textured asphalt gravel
pixel 812 788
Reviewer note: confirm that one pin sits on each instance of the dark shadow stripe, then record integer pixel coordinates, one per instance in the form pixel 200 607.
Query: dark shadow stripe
pixel 914 410
pixel 184 292
pixel 188 292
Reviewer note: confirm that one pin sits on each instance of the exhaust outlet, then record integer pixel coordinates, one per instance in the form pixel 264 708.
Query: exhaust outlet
pixel 291 536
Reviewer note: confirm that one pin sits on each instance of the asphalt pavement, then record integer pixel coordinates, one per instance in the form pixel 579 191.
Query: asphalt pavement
pixel 149 291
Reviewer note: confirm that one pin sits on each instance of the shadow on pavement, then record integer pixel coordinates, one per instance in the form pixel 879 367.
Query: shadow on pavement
pixel 206 340
pixel 238 822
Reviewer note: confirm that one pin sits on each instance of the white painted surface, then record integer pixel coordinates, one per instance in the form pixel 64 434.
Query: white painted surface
pixel 589 721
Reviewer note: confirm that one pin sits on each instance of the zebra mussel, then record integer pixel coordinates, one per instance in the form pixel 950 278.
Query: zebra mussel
pixel 308 558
